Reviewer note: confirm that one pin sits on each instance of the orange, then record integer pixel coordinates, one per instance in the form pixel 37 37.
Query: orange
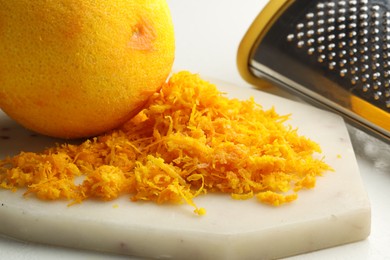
pixel 78 68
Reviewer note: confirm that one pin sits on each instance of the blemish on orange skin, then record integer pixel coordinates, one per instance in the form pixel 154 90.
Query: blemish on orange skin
pixel 143 36
pixel 40 103
pixel 72 29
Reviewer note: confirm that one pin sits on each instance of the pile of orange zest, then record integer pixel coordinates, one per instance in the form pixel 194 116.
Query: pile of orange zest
pixel 189 139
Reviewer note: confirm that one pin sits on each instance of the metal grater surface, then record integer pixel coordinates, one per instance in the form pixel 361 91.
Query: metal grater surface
pixel 350 39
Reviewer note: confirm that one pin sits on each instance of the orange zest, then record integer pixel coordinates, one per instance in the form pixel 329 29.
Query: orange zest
pixel 188 140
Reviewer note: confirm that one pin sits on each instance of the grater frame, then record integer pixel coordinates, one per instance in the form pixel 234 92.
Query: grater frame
pixel 332 88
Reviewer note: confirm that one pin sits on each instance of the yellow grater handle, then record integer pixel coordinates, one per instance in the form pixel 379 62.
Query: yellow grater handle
pixel 255 33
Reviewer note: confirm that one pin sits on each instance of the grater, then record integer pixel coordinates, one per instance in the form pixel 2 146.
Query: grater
pixel 334 54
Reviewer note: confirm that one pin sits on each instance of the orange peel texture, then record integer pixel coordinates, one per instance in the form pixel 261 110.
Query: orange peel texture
pixel 78 68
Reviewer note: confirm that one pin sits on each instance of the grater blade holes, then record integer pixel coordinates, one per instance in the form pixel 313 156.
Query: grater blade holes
pixel 351 39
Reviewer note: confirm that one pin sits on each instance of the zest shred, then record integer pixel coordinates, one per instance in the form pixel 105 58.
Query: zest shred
pixel 188 140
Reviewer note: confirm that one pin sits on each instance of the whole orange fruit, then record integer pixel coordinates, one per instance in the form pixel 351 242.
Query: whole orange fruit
pixel 77 68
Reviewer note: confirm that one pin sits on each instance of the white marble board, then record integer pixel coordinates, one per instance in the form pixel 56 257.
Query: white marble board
pixel 336 212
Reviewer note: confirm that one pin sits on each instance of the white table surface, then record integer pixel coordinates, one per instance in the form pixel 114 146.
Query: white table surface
pixel 208 33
